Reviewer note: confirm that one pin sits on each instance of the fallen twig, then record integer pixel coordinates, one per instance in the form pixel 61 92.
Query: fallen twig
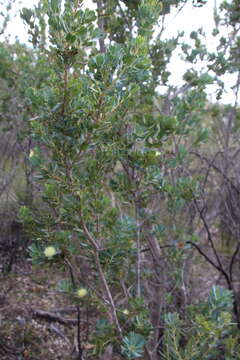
pixel 64 310
pixel 50 317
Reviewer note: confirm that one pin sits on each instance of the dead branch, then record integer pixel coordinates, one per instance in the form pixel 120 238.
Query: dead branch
pixel 46 315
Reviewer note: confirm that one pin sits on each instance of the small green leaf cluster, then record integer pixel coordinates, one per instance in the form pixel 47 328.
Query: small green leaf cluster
pixel 103 335
pixel 208 333
pixel 133 345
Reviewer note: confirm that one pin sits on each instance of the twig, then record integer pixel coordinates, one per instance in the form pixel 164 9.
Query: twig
pixel 101 26
pixel 63 310
pixel 204 255
pixel 87 321
pixel 227 277
pixel 79 332
pixel 216 168
pixel 210 240
pixel 138 249
pixel 46 315
pixel 232 261
pixel 79 344
pixel 105 285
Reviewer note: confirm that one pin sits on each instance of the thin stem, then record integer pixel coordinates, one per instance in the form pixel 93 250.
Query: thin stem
pixel 79 344
pixel 232 261
pixel 212 165
pixel 96 248
pixel 138 249
pixel 204 255
pixel 114 318
pixel 65 87
pixel 87 322
pixel 125 17
pixel 91 239
pixel 210 240
pixel 79 333
pixel 101 25
pixel 227 277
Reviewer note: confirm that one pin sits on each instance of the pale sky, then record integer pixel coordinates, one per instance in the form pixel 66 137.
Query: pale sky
pixel 187 20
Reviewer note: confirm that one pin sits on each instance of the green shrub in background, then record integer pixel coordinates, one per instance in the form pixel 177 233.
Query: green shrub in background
pixel 208 332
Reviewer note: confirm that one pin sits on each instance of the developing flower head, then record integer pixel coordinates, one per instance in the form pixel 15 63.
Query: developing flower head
pixel 125 312
pixel 50 251
pixel 31 154
pixel 81 293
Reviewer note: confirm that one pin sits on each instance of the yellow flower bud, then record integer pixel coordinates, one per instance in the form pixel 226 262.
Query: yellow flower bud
pixel 81 293
pixel 50 251
pixel 125 312
pixel 31 154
